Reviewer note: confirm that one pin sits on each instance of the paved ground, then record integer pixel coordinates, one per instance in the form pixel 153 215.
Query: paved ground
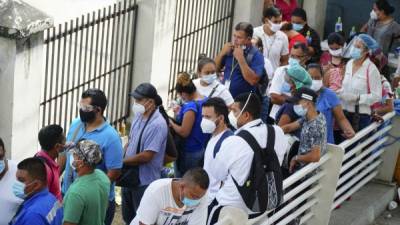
pixel 118 217
pixel 389 218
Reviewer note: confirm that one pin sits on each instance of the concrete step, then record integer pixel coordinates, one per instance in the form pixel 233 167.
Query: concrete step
pixel 365 205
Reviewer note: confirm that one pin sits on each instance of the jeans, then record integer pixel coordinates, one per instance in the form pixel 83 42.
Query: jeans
pixel 110 213
pixel 187 161
pixel 131 198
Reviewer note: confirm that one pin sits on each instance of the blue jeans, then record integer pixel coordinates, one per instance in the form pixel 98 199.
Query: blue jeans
pixel 187 161
pixel 131 198
pixel 110 213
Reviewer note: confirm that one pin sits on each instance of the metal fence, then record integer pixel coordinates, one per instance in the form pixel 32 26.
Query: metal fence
pixel 93 51
pixel 201 27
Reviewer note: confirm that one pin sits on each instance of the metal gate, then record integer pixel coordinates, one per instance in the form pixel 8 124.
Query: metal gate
pixel 93 51
pixel 201 27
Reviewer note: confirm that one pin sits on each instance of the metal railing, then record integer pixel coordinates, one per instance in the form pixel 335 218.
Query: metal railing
pixel 314 191
pixel 93 51
pixel 201 27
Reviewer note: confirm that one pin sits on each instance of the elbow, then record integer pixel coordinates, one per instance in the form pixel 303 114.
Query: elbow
pixel 184 133
pixel 316 157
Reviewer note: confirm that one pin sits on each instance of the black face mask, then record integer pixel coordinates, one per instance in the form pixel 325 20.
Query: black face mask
pixel 87 117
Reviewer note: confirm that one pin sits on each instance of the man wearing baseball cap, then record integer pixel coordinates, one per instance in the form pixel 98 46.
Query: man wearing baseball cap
pixel 313 135
pixel 86 200
pixel 146 147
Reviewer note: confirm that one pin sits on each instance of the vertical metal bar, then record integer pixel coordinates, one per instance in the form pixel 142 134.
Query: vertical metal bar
pixel 46 76
pixel 85 75
pixel 210 29
pixel 57 75
pixel 175 47
pixel 216 27
pixel 119 96
pixel 96 52
pixel 67 106
pixel 186 39
pixel 231 18
pixel 183 40
pixel 102 48
pixel 80 61
pixel 195 34
pixel 93 24
pixel 219 39
pixel 64 49
pixel 132 52
pixel 129 36
pixel 198 33
pixel 74 73
pixel 51 76
pixel 110 100
pixel 106 52
pixel 190 36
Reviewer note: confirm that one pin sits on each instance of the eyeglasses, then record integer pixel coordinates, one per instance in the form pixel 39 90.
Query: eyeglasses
pixel 86 108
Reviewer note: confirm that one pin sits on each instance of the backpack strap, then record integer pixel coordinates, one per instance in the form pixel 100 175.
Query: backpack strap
pixel 250 55
pixel 217 146
pixel 213 91
pixel 270 138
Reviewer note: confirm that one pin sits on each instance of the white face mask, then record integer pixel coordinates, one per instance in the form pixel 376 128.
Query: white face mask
pixel 337 52
pixel 138 108
pixel 209 79
pixel 316 85
pixel 233 120
pixel 208 126
pixel 275 27
pixel 373 15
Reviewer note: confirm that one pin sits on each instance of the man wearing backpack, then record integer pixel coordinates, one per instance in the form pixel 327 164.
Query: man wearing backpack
pixel 233 163
pixel 215 122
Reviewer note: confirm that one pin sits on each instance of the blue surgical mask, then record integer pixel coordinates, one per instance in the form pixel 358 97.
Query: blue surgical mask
pixel 300 110
pixel 2 165
pixel 355 53
pixel 285 87
pixel 297 26
pixel 209 79
pixel 293 61
pixel 190 202
pixel 19 189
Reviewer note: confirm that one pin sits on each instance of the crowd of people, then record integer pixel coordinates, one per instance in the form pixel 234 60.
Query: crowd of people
pixel 270 101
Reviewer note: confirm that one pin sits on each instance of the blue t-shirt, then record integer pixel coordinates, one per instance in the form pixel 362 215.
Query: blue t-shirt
pixel 238 84
pixel 326 102
pixel 154 139
pixel 40 209
pixel 110 145
pixel 196 141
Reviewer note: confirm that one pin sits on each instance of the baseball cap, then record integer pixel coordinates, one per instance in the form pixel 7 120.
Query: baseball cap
pixel 146 90
pixel 89 151
pixel 304 93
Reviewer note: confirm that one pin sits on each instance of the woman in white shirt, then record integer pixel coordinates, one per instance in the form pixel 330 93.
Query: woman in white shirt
pixel 207 84
pixel 362 86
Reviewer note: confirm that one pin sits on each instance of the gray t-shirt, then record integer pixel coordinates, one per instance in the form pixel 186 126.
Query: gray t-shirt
pixel 313 133
pixel 384 33
pixel 154 139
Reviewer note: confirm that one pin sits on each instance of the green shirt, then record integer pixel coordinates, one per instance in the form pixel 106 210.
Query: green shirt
pixel 87 199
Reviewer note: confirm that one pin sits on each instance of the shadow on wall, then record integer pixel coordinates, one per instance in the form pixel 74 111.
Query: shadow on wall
pixel 353 13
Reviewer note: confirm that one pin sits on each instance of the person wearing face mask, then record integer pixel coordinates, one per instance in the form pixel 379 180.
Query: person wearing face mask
pixel 293 36
pixel 312 123
pixel 280 90
pixel 275 42
pixel 175 201
pixel 327 103
pixel 92 125
pixel 299 22
pixel 146 146
pixel 9 202
pixel 233 161
pixel 215 122
pixel 333 63
pixel 38 202
pixel 207 84
pixel 362 86
pixel 243 63
pixel 382 26
pixel 86 201
pixel 52 142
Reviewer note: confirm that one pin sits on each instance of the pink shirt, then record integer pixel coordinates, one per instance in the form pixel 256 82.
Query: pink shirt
pixel 53 174
pixel 287 9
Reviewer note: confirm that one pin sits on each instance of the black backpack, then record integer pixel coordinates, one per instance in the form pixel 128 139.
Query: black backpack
pixel 263 82
pixel 263 189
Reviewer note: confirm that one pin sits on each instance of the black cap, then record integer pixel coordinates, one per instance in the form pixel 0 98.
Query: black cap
pixel 146 90
pixel 304 93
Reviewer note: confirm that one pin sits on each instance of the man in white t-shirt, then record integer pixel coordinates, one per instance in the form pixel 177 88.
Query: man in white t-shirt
pixel 275 42
pixel 279 89
pixel 175 202
pixel 234 159
pixel 215 122
pixel 9 203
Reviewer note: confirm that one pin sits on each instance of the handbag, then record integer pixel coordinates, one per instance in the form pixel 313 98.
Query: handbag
pixel 129 177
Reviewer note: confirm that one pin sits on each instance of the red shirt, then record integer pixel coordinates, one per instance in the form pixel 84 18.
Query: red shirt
pixel 287 9
pixel 53 175
pixel 295 39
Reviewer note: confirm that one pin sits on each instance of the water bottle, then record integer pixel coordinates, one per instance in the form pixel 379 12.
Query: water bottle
pixel 308 37
pixel 339 25
pixel 353 32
